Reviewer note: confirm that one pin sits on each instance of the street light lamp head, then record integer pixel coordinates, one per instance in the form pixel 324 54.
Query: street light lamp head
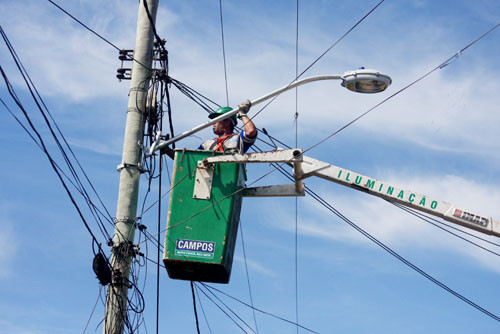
pixel 366 81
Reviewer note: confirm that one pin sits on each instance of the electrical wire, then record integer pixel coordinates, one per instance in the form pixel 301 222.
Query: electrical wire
pixel 256 309
pixel 450 227
pixel 401 258
pixel 248 276
pixel 33 128
pixel 91 30
pixel 296 123
pixel 153 25
pixel 322 55
pixel 231 310
pixel 41 148
pixel 203 311
pixel 220 308
pixel 440 66
pixel 195 96
pixel 428 220
pixel 329 207
pixel 194 307
pixel 84 25
pixel 49 157
pixel 223 51
pixel 49 121
pixel 93 309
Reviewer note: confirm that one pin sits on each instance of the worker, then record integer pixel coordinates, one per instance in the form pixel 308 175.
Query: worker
pixel 228 141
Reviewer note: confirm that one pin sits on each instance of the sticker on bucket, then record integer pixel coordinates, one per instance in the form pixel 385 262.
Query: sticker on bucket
pixel 195 248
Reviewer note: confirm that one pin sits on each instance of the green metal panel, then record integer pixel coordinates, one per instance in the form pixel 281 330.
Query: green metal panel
pixel 201 234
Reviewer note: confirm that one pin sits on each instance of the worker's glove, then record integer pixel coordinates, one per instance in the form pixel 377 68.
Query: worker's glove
pixel 244 108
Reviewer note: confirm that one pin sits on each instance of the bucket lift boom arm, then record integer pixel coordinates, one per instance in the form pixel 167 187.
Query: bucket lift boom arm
pixel 305 167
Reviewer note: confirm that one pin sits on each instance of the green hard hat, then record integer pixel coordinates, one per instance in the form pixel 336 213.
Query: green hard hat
pixel 222 111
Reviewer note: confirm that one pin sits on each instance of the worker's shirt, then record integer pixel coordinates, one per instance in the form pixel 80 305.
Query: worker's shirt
pixel 235 143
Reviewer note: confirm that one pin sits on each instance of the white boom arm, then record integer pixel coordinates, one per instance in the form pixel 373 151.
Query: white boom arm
pixel 447 211
pixel 305 167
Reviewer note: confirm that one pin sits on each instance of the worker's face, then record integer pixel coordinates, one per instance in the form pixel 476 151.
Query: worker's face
pixel 222 127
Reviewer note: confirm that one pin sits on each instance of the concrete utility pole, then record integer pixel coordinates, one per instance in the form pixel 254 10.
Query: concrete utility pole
pixel 130 172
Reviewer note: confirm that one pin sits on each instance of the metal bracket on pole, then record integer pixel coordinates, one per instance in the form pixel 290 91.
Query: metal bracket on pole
pixel 126 165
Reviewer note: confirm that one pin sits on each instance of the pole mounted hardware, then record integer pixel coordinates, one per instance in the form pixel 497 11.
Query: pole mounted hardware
pixel 160 54
pixel 126 165
pixel 125 73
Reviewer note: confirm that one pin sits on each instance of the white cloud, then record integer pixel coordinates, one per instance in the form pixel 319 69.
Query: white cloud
pixel 10 244
pixel 255 267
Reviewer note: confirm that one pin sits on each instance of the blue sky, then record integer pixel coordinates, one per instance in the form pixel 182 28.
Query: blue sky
pixel 439 137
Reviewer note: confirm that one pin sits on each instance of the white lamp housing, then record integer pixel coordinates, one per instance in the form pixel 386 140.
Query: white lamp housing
pixel 366 81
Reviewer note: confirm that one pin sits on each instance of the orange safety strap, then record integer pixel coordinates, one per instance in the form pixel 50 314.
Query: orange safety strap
pixel 220 141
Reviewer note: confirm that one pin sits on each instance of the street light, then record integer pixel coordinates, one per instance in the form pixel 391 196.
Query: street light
pixel 360 81
pixel 366 81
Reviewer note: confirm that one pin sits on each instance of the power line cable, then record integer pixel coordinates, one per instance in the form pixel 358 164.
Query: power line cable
pixel 93 309
pixel 231 310
pixel 296 122
pixel 158 253
pixel 248 275
pixel 52 162
pixel 92 31
pixel 203 311
pixel 84 25
pixel 428 220
pixel 440 66
pixel 223 51
pixel 220 308
pixel 153 25
pixel 401 258
pixel 322 55
pixel 256 309
pixel 45 110
pixel 194 307
pixel 41 148
pixel 451 227
pixel 328 206
pixel 40 140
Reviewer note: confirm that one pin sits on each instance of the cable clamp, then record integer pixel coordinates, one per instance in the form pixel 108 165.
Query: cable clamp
pixel 127 165
pixel 127 220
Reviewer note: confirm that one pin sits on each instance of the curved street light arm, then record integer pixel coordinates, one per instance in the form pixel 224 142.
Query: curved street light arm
pixel 235 111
